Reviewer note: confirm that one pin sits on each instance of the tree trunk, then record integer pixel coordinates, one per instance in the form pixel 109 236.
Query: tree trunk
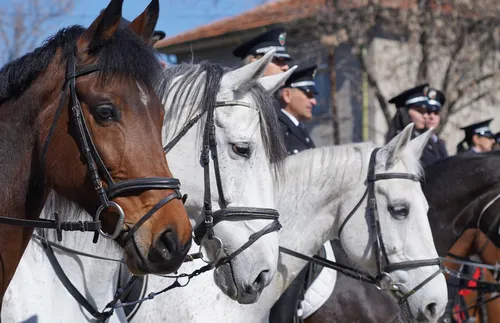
pixel 333 94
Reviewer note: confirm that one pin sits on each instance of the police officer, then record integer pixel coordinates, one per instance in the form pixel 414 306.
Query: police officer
pixel 478 138
pixel 435 148
pixel 257 47
pixel 411 107
pixel 420 105
pixel 297 101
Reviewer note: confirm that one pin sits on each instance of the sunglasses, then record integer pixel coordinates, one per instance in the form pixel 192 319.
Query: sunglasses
pixel 424 109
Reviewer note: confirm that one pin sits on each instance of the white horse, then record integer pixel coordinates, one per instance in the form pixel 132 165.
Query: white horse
pixel 249 148
pixel 318 190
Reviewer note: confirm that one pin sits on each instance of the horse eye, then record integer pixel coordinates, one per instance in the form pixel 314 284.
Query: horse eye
pixel 105 113
pixel 399 212
pixel 241 149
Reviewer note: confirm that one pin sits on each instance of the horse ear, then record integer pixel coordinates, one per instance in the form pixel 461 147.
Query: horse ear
pixel 245 76
pixel 144 25
pixel 274 82
pixel 395 148
pixel 418 144
pixel 102 28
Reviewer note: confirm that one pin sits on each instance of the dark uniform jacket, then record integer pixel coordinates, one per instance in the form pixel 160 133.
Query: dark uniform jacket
pixel 433 152
pixel 296 138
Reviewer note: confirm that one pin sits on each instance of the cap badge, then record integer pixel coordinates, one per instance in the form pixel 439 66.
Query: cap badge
pixel 282 38
pixel 432 94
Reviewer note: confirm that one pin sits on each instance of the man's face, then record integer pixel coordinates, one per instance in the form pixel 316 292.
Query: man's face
pixel 483 143
pixel 276 66
pixel 299 103
pixel 433 119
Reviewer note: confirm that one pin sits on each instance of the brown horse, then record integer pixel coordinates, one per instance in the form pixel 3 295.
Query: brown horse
pixel 80 116
pixel 471 242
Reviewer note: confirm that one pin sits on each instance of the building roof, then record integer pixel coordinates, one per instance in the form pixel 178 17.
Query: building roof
pixel 252 22
pixel 272 13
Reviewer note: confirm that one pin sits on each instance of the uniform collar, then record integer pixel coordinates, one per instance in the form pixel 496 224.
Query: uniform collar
pixel 294 120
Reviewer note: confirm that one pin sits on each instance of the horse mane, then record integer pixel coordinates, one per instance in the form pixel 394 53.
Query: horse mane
pixel 186 84
pixel 341 156
pixel 124 56
pixel 466 162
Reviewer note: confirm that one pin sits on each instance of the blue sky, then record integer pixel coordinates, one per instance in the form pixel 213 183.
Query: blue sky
pixel 176 16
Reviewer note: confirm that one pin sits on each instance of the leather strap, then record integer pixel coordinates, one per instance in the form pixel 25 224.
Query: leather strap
pixel 100 316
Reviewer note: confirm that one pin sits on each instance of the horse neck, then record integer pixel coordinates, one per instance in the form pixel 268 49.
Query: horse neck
pixel 313 193
pixel 452 207
pixel 22 194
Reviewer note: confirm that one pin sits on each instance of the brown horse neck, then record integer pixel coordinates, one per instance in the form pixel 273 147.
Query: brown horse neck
pixel 23 193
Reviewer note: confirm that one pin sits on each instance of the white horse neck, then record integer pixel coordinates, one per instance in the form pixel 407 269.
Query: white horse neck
pixel 312 195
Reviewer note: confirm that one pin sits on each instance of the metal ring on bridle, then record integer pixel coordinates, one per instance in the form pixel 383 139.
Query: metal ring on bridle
pixel 380 285
pixel 217 243
pixel 119 223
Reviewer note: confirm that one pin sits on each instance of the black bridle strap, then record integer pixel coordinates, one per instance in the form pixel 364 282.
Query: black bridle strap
pixel 416 288
pixel 141 184
pixel 181 133
pixel 356 207
pixel 151 212
pixel 412 264
pixel 87 147
pixel 271 227
pixel 346 270
pixel 51 224
pixel 100 316
pixel 236 213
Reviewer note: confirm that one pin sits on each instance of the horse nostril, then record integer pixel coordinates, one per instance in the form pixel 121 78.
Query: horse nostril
pixel 261 281
pixel 431 310
pixel 167 244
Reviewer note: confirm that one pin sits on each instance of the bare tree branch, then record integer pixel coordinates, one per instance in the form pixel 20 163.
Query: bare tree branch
pixel 21 27
pixel 453 45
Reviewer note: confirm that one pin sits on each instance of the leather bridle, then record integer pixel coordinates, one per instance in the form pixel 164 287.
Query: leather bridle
pixel 96 166
pixel 204 232
pixel 383 279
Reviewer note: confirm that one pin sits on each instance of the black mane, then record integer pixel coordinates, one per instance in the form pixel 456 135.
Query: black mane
pixel 125 55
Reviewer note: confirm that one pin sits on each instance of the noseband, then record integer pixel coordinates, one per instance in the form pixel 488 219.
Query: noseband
pixel 96 166
pixel 204 232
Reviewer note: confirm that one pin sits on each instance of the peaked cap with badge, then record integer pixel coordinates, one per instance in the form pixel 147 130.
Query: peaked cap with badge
pixel 414 96
pixel 479 128
pixel 424 99
pixel 303 79
pixel 271 39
